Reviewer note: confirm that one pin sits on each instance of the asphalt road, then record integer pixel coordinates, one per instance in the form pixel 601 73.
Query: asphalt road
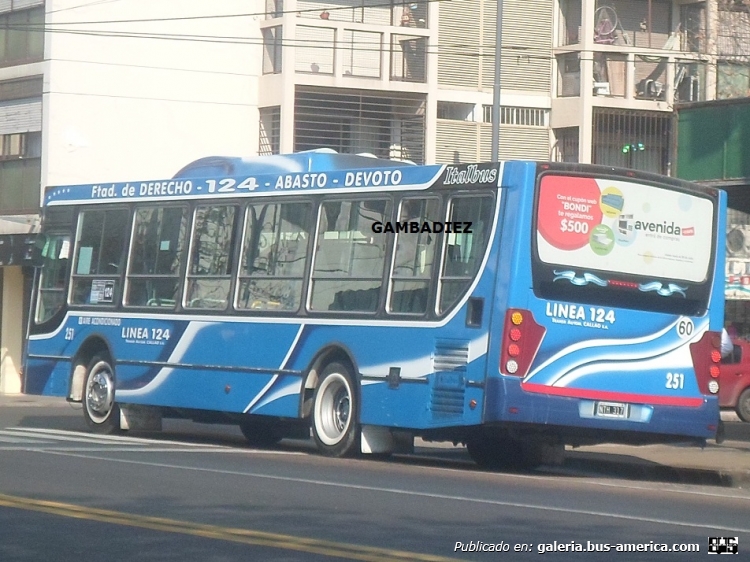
pixel 197 493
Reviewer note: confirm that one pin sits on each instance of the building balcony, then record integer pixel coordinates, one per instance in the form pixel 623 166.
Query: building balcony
pixel 375 47
pixel 631 77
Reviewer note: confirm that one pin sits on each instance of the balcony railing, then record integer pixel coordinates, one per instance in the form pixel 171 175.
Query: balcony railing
pixel 349 50
pixel 633 74
pixel 402 13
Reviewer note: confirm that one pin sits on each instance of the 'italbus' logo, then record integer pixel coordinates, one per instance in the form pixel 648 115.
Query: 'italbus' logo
pixel 455 175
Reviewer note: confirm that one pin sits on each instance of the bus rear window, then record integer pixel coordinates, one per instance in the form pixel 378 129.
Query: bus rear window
pixel 623 243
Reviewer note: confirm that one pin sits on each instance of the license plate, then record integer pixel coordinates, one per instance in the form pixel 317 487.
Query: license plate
pixel 611 410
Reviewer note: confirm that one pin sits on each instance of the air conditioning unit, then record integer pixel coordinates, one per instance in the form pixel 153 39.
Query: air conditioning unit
pixel 738 241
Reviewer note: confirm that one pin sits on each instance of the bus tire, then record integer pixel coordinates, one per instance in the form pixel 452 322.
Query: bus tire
pixel 743 405
pixel 335 414
pixel 260 433
pixel 100 411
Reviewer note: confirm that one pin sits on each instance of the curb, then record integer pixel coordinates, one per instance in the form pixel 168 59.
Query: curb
pixel 645 470
pixel 27 401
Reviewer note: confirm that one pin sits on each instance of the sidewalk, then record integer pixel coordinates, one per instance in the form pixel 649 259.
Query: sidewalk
pixel 725 464
pixel 29 401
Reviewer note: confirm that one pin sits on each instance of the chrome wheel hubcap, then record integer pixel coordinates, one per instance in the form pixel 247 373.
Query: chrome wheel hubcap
pixel 100 394
pixel 333 409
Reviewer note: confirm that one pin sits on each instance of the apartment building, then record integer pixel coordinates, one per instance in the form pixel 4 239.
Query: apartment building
pixel 107 91
pixel 581 80
pixel 405 79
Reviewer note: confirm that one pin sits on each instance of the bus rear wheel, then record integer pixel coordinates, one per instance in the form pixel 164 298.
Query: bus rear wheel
pixel 100 411
pixel 335 412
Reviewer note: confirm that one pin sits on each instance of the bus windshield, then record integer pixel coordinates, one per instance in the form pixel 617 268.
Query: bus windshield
pixel 625 243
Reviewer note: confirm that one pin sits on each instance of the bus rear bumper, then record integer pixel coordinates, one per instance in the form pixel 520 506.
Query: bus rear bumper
pixel 601 421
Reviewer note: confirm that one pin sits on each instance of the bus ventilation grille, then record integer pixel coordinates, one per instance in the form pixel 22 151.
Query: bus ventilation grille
pixel 449 384
pixel 450 356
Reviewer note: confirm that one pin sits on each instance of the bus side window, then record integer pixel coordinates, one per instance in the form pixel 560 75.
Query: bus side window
pixel 414 257
pixel 100 248
pixel 274 254
pixel 157 250
pixel 209 273
pixel 463 251
pixel 51 294
pixel 350 256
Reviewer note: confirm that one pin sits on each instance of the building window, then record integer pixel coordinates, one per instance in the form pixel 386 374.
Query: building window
pixel 570 22
pixel 525 116
pixel 272 45
pixel 20 172
pixel 733 80
pixel 314 49
pixel 388 126
pixel 566 146
pixel 20 145
pixel 361 53
pixel 408 58
pixel 22 36
pixel 269 130
pixel 632 139
pixel 20 89
pixel 401 13
pixel 455 111
pixel 274 9
pixel 693 27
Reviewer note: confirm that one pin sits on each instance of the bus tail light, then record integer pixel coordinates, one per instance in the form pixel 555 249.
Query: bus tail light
pixel 706 356
pixel 520 342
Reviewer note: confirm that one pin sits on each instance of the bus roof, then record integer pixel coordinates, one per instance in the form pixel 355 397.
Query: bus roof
pixel 319 160
pixel 319 171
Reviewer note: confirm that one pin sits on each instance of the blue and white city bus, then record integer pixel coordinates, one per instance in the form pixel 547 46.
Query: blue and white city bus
pixel 514 306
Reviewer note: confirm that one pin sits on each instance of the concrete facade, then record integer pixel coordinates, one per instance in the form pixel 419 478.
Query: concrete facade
pixel 174 81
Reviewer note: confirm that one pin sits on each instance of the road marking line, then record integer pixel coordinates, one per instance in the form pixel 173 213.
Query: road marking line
pixel 51 433
pixel 669 488
pixel 703 525
pixel 246 536
pixel 22 440
pixel 139 449
pixel 34 437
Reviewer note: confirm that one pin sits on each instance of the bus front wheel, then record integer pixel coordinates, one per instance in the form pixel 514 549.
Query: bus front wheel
pixel 335 412
pixel 100 411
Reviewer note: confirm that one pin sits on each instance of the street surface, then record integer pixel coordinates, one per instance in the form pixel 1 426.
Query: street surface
pixel 196 492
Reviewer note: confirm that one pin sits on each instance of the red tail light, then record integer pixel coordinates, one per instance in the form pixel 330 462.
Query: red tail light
pixel 521 339
pixel 706 357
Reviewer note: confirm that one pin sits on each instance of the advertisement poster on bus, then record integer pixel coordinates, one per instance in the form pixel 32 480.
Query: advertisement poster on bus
pixel 624 227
